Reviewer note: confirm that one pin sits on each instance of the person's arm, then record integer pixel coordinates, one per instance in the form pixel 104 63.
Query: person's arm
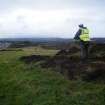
pixel 77 35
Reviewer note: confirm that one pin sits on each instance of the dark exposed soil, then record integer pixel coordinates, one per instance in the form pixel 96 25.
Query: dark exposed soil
pixel 33 58
pixel 4 50
pixel 68 63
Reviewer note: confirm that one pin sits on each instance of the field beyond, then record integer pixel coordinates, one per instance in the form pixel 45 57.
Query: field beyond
pixel 30 84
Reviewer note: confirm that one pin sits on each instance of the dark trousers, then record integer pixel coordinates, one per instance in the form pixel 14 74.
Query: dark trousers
pixel 84 50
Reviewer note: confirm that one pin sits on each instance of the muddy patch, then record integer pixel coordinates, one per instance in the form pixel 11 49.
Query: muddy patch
pixel 34 58
pixel 68 63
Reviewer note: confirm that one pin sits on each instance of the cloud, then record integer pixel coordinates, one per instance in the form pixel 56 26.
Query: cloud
pixel 51 18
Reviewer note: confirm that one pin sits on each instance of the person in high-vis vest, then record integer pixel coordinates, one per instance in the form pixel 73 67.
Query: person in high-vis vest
pixel 83 36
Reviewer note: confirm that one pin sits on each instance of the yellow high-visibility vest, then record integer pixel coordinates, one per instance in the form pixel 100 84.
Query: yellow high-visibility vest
pixel 84 35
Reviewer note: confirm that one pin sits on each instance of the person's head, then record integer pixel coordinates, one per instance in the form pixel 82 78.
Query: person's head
pixel 81 25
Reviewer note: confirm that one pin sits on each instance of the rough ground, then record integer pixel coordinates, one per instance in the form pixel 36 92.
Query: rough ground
pixel 68 63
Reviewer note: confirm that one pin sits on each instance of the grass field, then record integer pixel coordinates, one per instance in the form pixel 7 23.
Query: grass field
pixel 22 84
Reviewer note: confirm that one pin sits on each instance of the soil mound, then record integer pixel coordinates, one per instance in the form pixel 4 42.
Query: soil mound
pixel 68 63
pixel 97 48
pixel 69 51
pixel 96 72
pixel 33 58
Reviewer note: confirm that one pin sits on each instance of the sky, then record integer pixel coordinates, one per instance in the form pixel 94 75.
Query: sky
pixel 51 18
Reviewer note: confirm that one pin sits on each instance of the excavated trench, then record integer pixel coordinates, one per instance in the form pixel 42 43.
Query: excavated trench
pixel 68 63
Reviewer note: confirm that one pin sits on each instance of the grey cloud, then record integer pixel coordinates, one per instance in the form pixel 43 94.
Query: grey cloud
pixel 94 7
pixel 53 4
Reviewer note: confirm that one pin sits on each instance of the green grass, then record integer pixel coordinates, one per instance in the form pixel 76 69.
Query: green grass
pixel 39 51
pixel 22 84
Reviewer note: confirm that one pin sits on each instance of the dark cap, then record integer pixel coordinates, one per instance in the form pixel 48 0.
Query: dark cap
pixel 81 25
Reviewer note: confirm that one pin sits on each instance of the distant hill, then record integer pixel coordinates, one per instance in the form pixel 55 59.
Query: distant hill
pixel 56 43
pixel 98 40
pixel 35 39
